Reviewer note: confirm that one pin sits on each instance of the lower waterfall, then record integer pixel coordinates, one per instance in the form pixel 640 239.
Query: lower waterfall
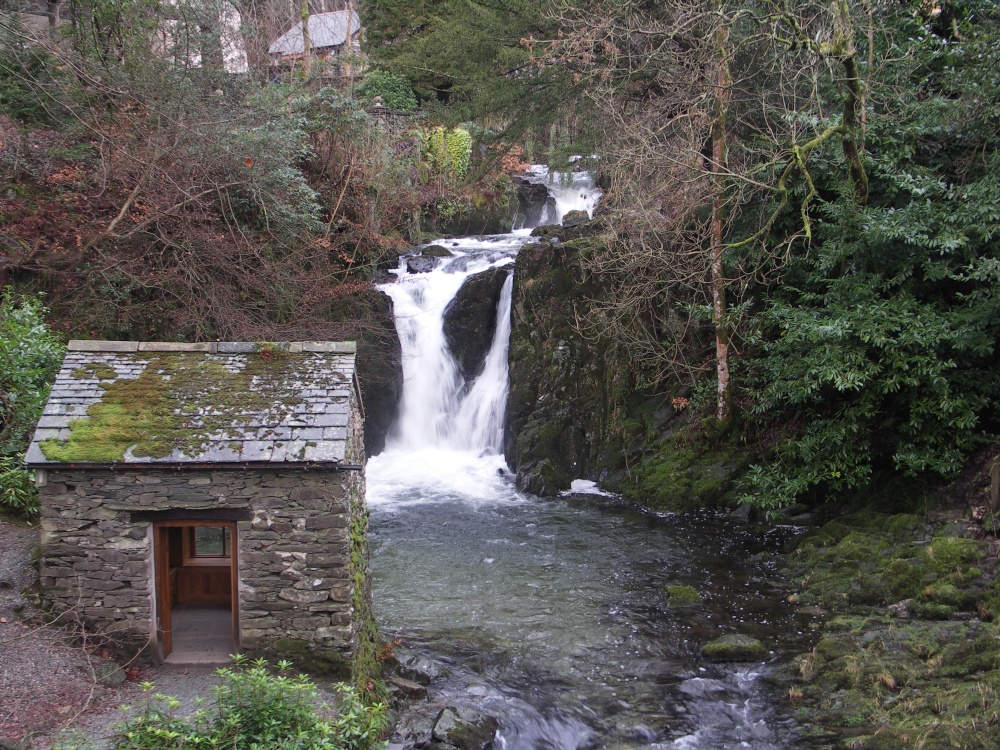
pixel 549 615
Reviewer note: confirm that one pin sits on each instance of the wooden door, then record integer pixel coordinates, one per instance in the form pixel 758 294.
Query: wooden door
pixel 181 576
pixel 164 596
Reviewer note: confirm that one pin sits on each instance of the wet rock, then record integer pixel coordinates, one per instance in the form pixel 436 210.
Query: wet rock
pixel 471 317
pixel 575 219
pixel 465 728
pixel 420 264
pixel 735 647
pixel 436 251
pixel 679 596
pixel 407 688
pixel 418 668
pixel 742 513
pixel 414 729
pixel 379 367
pixel 532 202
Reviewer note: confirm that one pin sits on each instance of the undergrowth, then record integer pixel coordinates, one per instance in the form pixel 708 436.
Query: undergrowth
pixel 253 708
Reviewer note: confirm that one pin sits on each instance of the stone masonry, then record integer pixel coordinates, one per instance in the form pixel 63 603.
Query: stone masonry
pixel 293 555
pixel 293 547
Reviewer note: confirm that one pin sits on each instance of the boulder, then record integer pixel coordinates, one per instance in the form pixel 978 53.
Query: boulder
pixel 465 728
pixel 735 647
pixel 471 318
pixel 406 688
pixel 109 674
pixel 418 668
pixel 436 251
pixel 379 368
pixel 420 264
pixel 533 202
pixel 576 219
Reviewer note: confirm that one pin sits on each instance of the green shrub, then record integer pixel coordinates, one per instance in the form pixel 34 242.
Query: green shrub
pixel 17 488
pixel 394 90
pixel 447 152
pixel 255 709
pixel 30 355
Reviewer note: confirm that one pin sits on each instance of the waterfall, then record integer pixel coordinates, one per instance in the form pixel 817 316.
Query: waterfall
pixel 438 408
pixel 570 191
pixel 479 424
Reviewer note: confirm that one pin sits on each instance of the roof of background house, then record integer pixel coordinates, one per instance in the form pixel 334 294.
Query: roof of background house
pixel 325 30
pixel 221 403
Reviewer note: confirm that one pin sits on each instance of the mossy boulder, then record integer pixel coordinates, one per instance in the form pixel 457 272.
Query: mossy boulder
pixel 735 647
pixel 575 219
pixel 563 388
pixel 436 251
pixel 465 728
pixel 680 596
pixel 471 317
pixel 923 679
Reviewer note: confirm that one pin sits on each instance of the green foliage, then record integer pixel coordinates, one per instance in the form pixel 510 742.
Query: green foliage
pixel 17 488
pixel 30 355
pixel 394 90
pixel 881 344
pixel 447 152
pixel 474 57
pixel 255 709
pixel 24 72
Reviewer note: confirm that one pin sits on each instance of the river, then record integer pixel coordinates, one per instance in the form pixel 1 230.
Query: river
pixel 552 614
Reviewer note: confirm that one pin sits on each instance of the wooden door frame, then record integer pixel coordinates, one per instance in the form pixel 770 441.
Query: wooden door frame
pixel 162 594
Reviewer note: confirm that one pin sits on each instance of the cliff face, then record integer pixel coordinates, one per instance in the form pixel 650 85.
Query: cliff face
pixel 562 387
pixel 574 410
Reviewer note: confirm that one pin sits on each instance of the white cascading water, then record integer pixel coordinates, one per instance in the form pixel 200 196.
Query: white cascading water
pixel 570 191
pixel 449 433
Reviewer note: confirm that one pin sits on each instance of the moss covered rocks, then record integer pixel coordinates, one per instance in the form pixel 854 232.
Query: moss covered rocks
pixel 735 647
pixel 910 657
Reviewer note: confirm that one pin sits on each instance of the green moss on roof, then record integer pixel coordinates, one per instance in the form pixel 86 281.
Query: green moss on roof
pixel 99 370
pixel 176 403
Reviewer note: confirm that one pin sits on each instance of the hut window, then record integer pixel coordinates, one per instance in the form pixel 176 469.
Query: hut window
pixel 211 541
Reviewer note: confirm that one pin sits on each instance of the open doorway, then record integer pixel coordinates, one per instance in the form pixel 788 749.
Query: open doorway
pixel 197 612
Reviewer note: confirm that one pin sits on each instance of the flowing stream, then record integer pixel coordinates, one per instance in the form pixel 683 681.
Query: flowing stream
pixel 552 614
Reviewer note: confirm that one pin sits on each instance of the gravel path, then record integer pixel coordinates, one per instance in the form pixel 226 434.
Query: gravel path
pixel 44 682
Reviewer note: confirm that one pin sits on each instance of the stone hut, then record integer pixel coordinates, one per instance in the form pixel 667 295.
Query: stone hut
pixel 198 499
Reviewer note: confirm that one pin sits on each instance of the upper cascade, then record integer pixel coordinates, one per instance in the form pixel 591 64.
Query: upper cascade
pixel 568 191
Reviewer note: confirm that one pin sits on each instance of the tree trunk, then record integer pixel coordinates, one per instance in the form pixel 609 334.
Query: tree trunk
pixel 348 50
pixel 719 144
pixel 306 46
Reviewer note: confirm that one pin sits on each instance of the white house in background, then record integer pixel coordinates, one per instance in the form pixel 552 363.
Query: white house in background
pixel 182 32
pixel 328 37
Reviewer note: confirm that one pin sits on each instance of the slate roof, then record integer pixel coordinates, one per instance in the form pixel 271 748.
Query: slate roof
pixel 128 402
pixel 325 30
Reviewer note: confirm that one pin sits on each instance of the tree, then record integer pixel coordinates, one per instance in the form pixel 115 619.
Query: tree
pixel 478 58
pixel 694 217
pixel 880 348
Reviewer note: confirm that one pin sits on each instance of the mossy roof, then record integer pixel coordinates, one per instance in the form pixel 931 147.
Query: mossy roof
pixel 235 403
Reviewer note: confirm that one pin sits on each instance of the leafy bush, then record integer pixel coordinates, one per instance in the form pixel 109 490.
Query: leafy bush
pixel 17 488
pixel 447 152
pixel 395 91
pixel 255 709
pixel 30 355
